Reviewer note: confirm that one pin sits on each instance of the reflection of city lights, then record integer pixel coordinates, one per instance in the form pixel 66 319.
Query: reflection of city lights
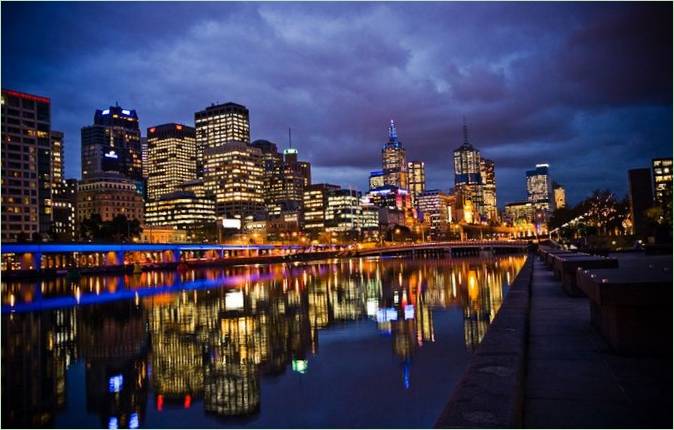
pixel 234 300
pixel 409 312
pixel 188 401
pixel 371 307
pixel 473 291
pixel 160 403
pixel 133 421
pixel 300 366
pixel 386 314
pixel 115 383
pixel 112 424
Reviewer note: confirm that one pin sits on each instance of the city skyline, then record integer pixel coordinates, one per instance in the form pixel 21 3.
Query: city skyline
pixel 339 109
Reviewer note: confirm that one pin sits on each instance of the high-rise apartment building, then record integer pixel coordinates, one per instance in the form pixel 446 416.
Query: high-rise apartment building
pixel 234 177
pixel 539 188
pixel 26 166
pixel 417 178
pixel 180 209
pixel 394 161
pixel 467 176
pixel 560 195
pixel 112 144
pixel 488 176
pixel 171 158
pixel 220 124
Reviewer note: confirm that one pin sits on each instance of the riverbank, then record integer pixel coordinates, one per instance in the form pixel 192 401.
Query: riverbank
pixel 542 365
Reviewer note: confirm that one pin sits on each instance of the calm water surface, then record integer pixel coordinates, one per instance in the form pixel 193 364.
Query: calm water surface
pixel 349 343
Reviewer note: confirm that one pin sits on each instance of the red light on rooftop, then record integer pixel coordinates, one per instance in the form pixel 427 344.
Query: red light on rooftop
pixel 179 127
pixel 152 130
pixel 26 96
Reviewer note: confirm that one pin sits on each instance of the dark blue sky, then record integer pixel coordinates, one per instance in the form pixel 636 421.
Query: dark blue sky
pixel 586 87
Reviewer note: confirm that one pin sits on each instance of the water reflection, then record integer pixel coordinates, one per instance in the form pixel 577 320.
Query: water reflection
pixel 161 341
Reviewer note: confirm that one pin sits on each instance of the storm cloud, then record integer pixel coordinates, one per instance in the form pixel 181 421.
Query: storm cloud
pixel 585 87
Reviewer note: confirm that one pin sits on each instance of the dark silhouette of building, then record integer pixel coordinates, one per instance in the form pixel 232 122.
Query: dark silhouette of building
pixel 641 198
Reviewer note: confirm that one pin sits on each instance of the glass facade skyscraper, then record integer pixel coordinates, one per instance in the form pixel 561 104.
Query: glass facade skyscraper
pixel 394 161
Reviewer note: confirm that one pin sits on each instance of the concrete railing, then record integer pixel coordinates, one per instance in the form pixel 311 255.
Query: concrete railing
pixel 490 393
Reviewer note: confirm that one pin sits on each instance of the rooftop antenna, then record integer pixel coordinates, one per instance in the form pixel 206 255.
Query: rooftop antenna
pixel 465 132
pixel 290 138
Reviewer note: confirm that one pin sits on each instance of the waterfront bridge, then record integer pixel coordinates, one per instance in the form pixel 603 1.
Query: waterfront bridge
pixel 465 247
pixel 27 258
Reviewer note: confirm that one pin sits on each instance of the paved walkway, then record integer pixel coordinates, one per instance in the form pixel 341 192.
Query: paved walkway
pixel 573 379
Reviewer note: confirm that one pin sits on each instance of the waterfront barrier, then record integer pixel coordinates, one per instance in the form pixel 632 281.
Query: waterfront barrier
pixel 491 391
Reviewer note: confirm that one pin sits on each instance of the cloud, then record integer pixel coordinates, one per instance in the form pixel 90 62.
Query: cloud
pixel 585 87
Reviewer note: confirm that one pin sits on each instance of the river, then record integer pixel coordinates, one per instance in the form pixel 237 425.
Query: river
pixel 338 343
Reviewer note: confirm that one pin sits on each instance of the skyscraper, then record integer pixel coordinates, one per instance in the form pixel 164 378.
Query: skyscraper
pixel 376 179
pixel 26 165
pixel 57 178
pixel 539 188
pixel 171 158
pixel 662 184
pixel 417 178
pixel 272 162
pixel 315 206
pixel 219 124
pixel 112 144
pixel 234 177
pixel 467 175
pixel 488 176
pixel 394 162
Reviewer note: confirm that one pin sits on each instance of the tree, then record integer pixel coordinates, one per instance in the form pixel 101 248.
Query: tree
pixel 119 229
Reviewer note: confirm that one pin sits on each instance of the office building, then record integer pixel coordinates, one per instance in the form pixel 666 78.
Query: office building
pixel 662 184
pixel 64 218
pixel 436 209
pixel 519 212
pixel 394 162
pixel 539 188
pixel 171 158
pixel 315 202
pixel 273 170
pixel 416 178
pixel 376 179
pixel 468 179
pixel 560 195
pixel 109 195
pixel 180 209
pixel 57 178
pixel 343 213
pixel 217 125
pixel 26 166
pixel 390 196
pixel 234 178
pixel 488 176
pixel 112 145
pixel 641 198
pixel 195 186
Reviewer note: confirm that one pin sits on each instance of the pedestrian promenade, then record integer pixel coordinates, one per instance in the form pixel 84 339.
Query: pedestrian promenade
pixel 572 379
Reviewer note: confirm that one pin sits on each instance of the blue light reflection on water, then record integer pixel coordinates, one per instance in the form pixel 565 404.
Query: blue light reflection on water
pixel 350 344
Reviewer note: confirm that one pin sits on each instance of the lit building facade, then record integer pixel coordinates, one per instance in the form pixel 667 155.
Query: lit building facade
pixel 394 161
pixel 26 166
pixel 437 210
pixel 343 213
pixel 64 220
pixel 467 177
pixel 560 196
pixel 57 159
pixel 519 212
pixel 217 125
pixel 376 179
pixel 171 160
pixel 112 144
pixel 488 176
pixel 109 195
pixel 417 178
pixel 234 177
pixel 180 209
pixel 662 183
pixel 539 188
pixel 315 201
pixel 272 162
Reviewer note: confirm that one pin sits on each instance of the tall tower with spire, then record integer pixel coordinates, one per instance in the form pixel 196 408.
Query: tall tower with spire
pixel 394 161
pixel 467 175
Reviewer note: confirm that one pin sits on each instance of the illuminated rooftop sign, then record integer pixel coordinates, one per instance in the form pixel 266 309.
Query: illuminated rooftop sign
pixel 110 154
